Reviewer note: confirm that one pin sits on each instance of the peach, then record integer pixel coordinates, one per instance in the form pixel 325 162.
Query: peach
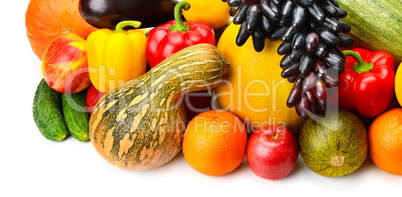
pixel 65 65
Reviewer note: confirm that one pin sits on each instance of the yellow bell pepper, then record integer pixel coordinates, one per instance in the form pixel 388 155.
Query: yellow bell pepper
pixel 115 57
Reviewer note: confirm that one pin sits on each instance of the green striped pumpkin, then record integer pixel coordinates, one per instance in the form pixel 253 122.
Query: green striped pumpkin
pixel 376 24
pixel 140 124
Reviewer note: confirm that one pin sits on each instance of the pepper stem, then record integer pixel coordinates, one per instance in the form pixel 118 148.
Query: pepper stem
pixel 360 66
pixel 122 24
pixel 179 25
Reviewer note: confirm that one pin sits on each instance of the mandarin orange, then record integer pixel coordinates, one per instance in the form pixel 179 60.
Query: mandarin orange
pixel 215 142
pixel 385 141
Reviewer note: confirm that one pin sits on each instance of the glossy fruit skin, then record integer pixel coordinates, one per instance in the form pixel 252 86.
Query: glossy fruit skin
pixel 270 156
pixel 115 57
pixel 166 39
pixel 64 64
pixel 92 98
pixel 371 91
pixel 215 142
pixel 385 137
pixel 162 42
pixel 214 12
pixel 107 13
pixel 47 19
pixel 140 124
pixel 255 72
pixel 398 84
pixel 365 26
pixel 334 144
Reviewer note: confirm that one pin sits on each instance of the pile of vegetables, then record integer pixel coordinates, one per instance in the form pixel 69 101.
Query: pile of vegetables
pixel 116 72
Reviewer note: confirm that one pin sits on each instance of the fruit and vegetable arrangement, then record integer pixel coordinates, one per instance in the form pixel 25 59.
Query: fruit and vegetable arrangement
pixel 319 78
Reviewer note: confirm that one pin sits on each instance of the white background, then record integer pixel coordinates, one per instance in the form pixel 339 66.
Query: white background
pixel 33 165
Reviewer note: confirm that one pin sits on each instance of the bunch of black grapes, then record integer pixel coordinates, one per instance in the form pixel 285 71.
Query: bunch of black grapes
pixel 311 33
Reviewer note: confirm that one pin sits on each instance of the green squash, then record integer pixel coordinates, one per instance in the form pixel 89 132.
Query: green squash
pixel 334 145
pixel 376 24
pixel 140 124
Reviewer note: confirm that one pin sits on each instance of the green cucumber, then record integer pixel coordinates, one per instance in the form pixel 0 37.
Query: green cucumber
pixel 376 24
pixel 48 113
pixel 76 115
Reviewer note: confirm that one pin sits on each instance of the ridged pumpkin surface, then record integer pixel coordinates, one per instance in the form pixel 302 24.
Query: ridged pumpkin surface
pixel 140 124
pixel 335 145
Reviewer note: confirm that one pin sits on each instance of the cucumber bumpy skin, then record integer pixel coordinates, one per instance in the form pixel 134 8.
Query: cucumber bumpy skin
pixel 48 113
pixel 76 115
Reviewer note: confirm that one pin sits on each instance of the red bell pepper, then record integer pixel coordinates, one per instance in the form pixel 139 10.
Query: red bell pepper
pixel 367 85
pixel 166 39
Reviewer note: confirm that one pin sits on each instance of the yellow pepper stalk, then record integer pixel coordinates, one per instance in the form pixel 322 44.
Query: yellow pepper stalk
pixel 115 57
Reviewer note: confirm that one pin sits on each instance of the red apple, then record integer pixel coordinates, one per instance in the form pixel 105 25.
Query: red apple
pixel 93 96
pixel 64 64
pixel 272 152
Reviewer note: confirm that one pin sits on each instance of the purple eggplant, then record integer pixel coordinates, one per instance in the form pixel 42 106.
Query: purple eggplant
pixel 107 13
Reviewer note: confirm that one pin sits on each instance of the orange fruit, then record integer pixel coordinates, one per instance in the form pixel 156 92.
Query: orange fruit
pixel 385 141
pixel 215 142
pixel 398 84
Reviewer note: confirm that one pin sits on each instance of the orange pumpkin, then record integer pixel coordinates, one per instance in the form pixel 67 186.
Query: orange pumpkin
pixel 47 19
